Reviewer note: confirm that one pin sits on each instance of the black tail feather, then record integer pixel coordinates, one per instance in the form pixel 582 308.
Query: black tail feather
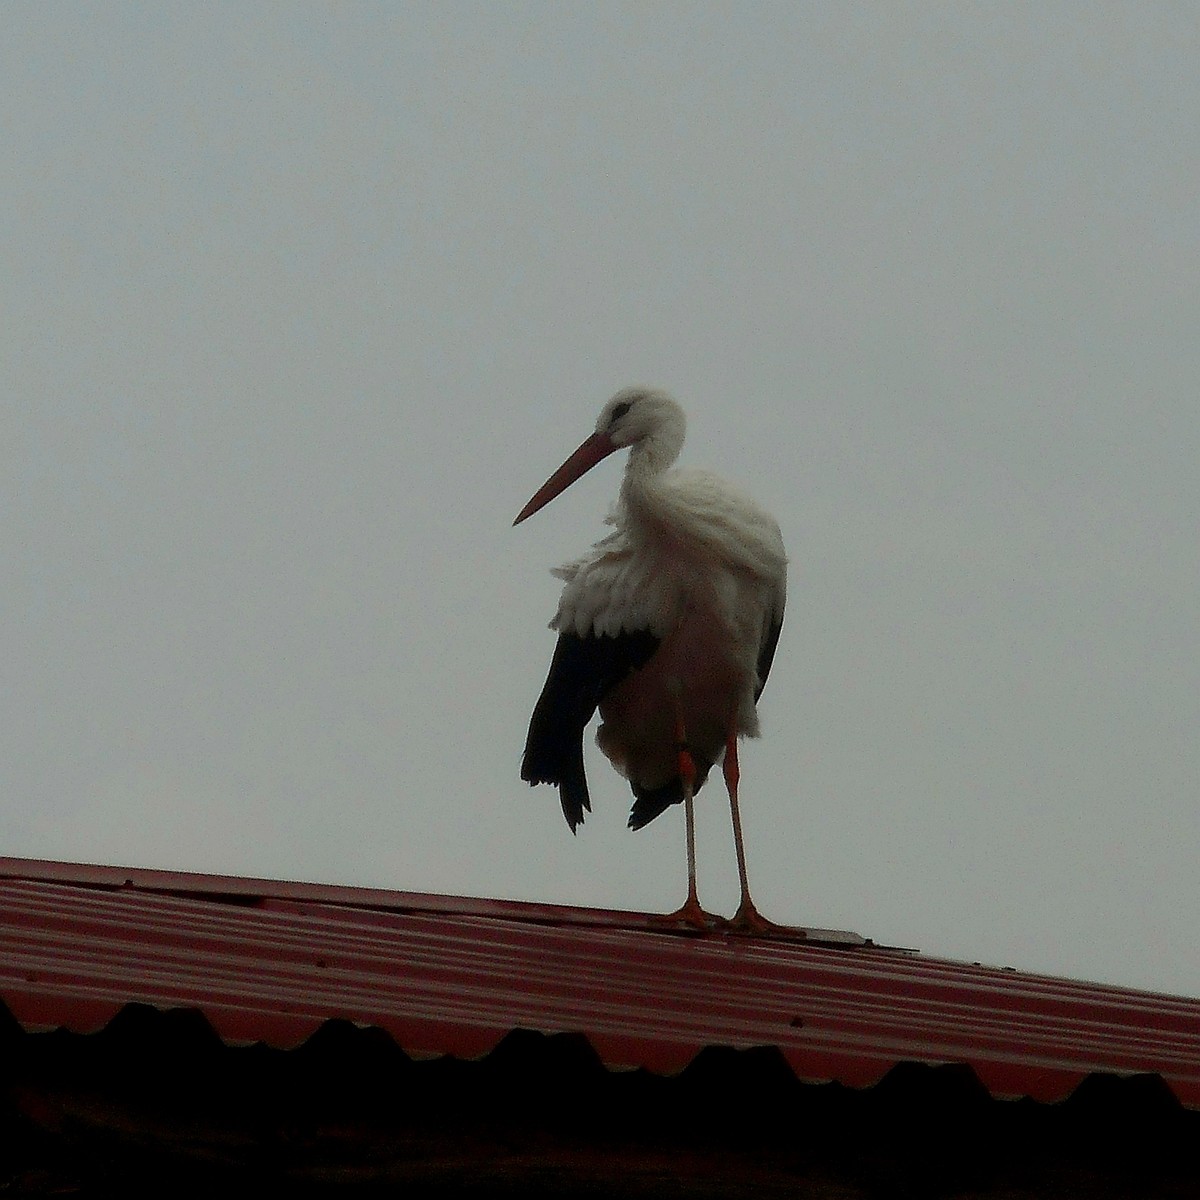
pixel 651 802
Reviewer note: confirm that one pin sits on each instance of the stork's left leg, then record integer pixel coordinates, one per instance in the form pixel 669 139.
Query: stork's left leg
pixel 747 917
pixel 691 910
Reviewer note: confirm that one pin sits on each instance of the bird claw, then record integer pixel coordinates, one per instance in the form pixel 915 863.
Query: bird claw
pixel 690 916
pixel 748 920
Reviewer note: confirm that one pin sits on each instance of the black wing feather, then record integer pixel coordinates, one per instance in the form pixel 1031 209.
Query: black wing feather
pixel 583 671
pixel 766 655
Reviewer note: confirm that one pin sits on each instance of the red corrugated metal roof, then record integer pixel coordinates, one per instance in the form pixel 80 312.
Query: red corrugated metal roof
pixel 271 962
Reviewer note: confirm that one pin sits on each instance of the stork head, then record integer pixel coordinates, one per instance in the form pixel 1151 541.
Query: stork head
pixel 647 420
pixel 639 414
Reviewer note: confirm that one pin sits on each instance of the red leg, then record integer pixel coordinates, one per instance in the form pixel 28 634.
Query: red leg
pixel 747 918
pixel 690 912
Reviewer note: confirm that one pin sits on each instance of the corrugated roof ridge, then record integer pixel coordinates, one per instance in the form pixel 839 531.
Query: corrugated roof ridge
pixel 351 902
pixel 248 888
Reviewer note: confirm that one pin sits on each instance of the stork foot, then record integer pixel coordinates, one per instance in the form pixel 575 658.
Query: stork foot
pixel 749 920
pixel 689 915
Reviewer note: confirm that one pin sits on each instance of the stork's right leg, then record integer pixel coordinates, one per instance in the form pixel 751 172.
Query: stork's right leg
pixel 690 911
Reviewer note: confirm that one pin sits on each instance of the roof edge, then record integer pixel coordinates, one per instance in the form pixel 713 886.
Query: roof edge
pixel 248 890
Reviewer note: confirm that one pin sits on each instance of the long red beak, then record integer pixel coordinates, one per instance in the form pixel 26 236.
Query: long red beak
pixel 598 446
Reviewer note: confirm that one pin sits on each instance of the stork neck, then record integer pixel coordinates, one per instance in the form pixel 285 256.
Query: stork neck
pixel 648 459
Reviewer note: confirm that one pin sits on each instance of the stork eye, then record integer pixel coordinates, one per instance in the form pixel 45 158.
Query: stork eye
pixel 619 412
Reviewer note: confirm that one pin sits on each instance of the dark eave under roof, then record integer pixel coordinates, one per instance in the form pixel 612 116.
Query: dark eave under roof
pixel 272 962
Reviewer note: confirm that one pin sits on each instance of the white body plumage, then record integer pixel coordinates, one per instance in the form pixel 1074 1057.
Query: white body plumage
pixel 703 568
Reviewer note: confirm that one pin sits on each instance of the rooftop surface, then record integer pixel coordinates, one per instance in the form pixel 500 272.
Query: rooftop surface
pixel 272 962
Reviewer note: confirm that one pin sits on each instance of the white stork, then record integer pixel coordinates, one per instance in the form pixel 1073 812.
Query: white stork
pixel 668 625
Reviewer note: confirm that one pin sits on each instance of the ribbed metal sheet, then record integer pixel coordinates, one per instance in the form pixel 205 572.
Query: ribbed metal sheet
pixel 271 962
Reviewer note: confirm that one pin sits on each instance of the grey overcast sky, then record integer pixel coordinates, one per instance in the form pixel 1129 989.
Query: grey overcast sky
pixel 301 302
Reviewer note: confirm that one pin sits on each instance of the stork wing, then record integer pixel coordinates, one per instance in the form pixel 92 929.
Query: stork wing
pixel 770 639
pixel 766 655
pixel 582 672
